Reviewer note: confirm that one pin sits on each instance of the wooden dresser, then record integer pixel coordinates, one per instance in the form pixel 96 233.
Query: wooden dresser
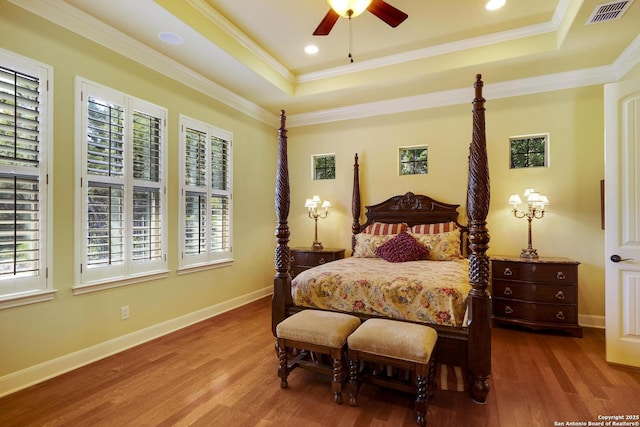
pixel 305 258
pixel 539 294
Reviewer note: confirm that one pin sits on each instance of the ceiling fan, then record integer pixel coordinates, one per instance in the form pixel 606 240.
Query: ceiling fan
pixel 352 8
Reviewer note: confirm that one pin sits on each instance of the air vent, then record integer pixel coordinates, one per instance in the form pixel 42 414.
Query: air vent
pixel 608 11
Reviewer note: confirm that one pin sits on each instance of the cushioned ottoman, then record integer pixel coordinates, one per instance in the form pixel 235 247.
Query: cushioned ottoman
pixel 398 344
pixel 315 331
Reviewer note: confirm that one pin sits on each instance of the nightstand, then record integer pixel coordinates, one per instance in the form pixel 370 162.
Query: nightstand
pixel 305 258
pixel 536 293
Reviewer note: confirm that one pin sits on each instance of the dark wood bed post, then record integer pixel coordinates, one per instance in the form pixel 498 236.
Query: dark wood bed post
pixel 282 281
pixel 479 362
pixel 355 203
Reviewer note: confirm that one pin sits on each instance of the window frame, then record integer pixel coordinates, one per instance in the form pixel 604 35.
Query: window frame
pixel 208 258
pixel 545 136
pixel 413 148
pixel 314 174
pixel 129 271
pixel 20 291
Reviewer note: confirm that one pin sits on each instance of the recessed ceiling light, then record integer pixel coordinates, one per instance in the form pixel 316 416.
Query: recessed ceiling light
pixel 311 49
pixel 170 38
pixel 494 4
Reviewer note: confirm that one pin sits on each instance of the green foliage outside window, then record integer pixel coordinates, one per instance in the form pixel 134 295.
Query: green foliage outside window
pixel 414 160
pixel 528 152
pixel 324 167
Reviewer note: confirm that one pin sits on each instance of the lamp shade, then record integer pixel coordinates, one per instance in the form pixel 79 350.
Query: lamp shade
pixel 310 204
pixel 542 201
pixel 514 200
pixel 342 7
pixel 326 204
pixel 534 197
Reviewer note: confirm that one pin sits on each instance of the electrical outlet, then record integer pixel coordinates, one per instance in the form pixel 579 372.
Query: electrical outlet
pixel 124 312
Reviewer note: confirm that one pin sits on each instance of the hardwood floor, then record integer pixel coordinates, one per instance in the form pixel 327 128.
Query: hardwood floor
pixel 223 372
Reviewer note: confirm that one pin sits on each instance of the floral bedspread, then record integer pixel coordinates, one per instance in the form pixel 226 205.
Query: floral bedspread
pixel 425 291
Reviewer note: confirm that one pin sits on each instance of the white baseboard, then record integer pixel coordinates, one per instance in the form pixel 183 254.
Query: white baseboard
pixel 19 380
pixel 589 321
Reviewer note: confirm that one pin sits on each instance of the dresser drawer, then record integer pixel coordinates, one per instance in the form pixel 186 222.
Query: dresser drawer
pixel 535 272
pixel 303 258
pixel 313 258
pixel 537 312
pixel 559 294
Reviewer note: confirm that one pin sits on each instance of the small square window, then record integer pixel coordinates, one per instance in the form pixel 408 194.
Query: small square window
pixel 413 160
pixel 529 151
pixel 324 166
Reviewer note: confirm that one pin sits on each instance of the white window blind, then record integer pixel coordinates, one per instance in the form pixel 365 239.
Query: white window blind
pixel 122 189
pixel 205 194
pixel 105 188
pixel 24 240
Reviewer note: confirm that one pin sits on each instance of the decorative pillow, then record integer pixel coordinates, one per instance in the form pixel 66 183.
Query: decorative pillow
pixel 402 248
pixel 441 246
pixel 366 244
pixel 441 227
pixel 381 228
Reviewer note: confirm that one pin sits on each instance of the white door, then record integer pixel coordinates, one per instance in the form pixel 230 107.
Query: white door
pixel 622 222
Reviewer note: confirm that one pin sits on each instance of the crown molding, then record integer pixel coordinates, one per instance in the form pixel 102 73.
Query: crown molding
pixel 560 14
pixel 628 59
pixel 520 87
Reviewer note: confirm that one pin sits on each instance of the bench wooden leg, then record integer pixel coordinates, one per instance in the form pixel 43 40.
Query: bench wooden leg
pixel 338 374
pixel 421 399
pixel 354 365
pixel 283 369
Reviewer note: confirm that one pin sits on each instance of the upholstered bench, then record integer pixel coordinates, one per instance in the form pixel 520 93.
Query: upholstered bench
pixel 397 344
pixel 315 331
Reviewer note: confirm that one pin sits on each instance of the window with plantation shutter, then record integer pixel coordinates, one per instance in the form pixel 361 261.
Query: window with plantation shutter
pixel 121 141
pixel 24 191
pixel 205 195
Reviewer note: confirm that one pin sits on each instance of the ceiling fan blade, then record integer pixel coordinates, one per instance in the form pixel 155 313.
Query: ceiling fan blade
pixel 327 23
pixel 387 13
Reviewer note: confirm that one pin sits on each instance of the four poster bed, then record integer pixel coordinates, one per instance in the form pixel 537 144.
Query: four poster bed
pixel 449 292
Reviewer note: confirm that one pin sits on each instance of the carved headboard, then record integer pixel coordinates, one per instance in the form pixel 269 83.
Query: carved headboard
pixel 414 209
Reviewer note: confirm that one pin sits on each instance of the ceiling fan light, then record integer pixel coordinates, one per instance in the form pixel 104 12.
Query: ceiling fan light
pixel 342 7
pixel 495 4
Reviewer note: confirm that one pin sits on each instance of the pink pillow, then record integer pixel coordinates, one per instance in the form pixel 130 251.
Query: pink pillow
pixel 402 248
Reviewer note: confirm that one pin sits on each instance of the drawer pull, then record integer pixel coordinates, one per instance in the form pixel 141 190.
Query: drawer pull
pixel 508 291
pixel 508 272
pixel 560 295
pixel 560 275
pixel 292 259
pixel 560 315
pixel 321 261
pixel 508 310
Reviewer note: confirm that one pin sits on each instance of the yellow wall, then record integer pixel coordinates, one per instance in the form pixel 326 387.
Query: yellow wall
pixel 40 332
pixel 571 226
